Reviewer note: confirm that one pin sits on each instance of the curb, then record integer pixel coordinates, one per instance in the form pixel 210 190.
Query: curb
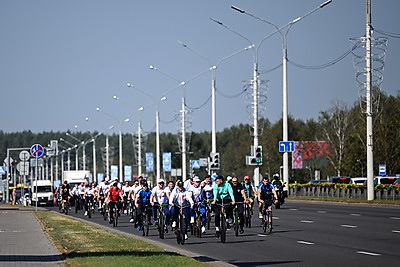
pixel 169 248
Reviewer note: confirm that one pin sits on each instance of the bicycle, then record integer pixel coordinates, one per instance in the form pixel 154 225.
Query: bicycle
pixel 66 206
pixel 247 214
pixel 181 226
pixel 113 210
pixel 236 218
pixel 223 226
pixel 266 220
pixel 208 212
pixel 90 207
pixel 195 228
pixel 162 227
pixel 146 217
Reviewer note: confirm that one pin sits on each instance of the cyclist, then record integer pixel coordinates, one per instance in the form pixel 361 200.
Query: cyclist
pixel 66 194
pixel 131 197
pixel 180 198
pixel 88 196
pixel 197 195
pixel 158 196
pixel 208 185
pixel 265 195
pixel 142 200
pixel 170 188
pixel 103 188
pixel 250 190
pixel 278 184
pixel 76 196
pixel 223 194
pixel 238 192
pixel 114 197
pixel 125 192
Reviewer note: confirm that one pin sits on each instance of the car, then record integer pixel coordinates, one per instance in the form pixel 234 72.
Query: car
pixel 358 180
pixel 385 179
pixel 319 181
pixel 340 180
pixel 397 182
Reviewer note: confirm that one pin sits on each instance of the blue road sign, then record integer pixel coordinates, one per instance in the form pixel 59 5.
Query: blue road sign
pixel 37 151
pixel 2 170
pixel 286 146
pixel 382 169
pixel 195 164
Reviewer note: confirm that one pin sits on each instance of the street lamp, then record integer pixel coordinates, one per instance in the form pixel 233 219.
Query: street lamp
pixel 107 169
pixel 120 139
pixel 157 103
pixel 69 153
pixel 213 69
pixel 284 75
pixel 82 143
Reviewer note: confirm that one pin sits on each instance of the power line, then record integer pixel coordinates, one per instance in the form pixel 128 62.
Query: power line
pixel 230 96
pixel 202 105
pixel 389 34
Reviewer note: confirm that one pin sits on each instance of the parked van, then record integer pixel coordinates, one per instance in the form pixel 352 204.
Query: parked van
pixel 358 180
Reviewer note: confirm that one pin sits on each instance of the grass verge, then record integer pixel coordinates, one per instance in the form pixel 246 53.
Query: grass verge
pixel 86 245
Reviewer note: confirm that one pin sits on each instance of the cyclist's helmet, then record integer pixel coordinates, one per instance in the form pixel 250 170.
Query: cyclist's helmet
pixel 179 184
pixel 275 176
pixel 145 184
pixel 246 178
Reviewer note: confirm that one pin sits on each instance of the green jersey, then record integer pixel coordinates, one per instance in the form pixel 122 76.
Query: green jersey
pixel 223 191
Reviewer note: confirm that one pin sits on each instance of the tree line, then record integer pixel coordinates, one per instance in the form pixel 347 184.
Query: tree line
pixel 342 126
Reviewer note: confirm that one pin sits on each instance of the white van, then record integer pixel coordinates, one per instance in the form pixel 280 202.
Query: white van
pixel 358 180
pixel 42 192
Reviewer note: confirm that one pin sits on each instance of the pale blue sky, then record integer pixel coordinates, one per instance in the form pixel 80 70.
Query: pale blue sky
pixel 60 60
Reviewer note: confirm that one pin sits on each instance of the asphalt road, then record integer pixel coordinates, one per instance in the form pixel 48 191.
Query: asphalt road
pixel 304 234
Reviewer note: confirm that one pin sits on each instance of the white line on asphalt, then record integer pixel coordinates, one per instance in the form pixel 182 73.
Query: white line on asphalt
pixel 261 235
pixel 396 231
pixel 275 218
pixel 305 221
pixel 305 242
pixel 349 226
pixel 368 253
pixel 394 218
pixel 292 209
pixel 321 211
pixel 355 214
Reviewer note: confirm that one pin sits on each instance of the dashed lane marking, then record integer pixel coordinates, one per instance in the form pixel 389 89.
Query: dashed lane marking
pixel 368 253
pixel 349 226
pixel 305 242
pixel 321 211
pixel 394 218
pixel 306 221
pixel 396 231
pixel 355 214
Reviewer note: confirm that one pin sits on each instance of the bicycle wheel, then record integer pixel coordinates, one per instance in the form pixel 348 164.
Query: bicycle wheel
pixel 104 212
pixel 223 228
pixel 144 223
pixel 208 217
pixel 66 208
pixel 269 223
pixel 182 229
pixel 90 210
pixel 115 222
pixel 147 223
pixel 161 225
pixel 236 222
pixel 198 225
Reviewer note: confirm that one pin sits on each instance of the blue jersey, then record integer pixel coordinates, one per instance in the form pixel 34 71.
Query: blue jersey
pixel 266 191
pixel 144 196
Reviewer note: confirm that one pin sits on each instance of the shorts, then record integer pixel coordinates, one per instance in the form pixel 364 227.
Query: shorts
pixel 268 202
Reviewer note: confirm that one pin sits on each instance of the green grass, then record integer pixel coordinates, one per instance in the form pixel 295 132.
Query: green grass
pixel 86 245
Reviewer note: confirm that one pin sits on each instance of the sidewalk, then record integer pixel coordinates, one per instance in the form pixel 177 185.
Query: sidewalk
pixel 23 242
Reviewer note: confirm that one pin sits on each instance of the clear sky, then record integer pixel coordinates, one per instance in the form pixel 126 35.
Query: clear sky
pixel 60 60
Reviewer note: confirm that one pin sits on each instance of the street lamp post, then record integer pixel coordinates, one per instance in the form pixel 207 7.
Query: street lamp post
pixel 158 152
pixel 284 75
pixel 120 140
pixel 69 153
pixel 213 69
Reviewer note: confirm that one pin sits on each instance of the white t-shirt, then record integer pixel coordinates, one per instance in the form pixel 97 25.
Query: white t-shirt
pixel 160 195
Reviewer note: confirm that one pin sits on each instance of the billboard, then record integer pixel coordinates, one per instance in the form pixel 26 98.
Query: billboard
pixel 308 153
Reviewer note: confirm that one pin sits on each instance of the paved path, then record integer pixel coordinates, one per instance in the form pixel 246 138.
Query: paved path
pixel 23 242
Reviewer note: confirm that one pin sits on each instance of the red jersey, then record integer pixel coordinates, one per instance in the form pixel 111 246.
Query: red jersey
pixel 114 193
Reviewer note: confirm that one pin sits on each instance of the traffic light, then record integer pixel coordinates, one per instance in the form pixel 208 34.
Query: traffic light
pixel 215 161
pixel 258 154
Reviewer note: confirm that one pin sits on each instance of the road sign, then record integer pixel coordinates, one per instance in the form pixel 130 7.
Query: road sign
pixel 23 167
pixel 203 162
pixel 7 159
pixel 24 155
pixel 2 170
pixel 286 146
pixel 195 164
pixel 37 151
pixel 382 169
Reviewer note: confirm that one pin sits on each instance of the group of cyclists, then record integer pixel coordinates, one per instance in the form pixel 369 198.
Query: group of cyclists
pixel 172 198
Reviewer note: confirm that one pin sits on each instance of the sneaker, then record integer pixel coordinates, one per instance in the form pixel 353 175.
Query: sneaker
pixel 173 224
pixel 191 219
pixel 156 221
pixel 229 220
pixel 216 229
pixel 186 237
pixel 131 220
pixel 85 213
pixel 217 234
pixel 241 231
pixel 203 230
pixel 139 228
pixel 125 212
pixel 260 216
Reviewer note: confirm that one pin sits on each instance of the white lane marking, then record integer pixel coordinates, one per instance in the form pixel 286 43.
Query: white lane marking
pixel 321 211
pixel 396 231
pixel 394 218
pixel 355 214
pixel 293 209
pixel 305 221
pixel 349 226
pixel 275 218
pixel 368 253
pixel 305 242
pixel 261 235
